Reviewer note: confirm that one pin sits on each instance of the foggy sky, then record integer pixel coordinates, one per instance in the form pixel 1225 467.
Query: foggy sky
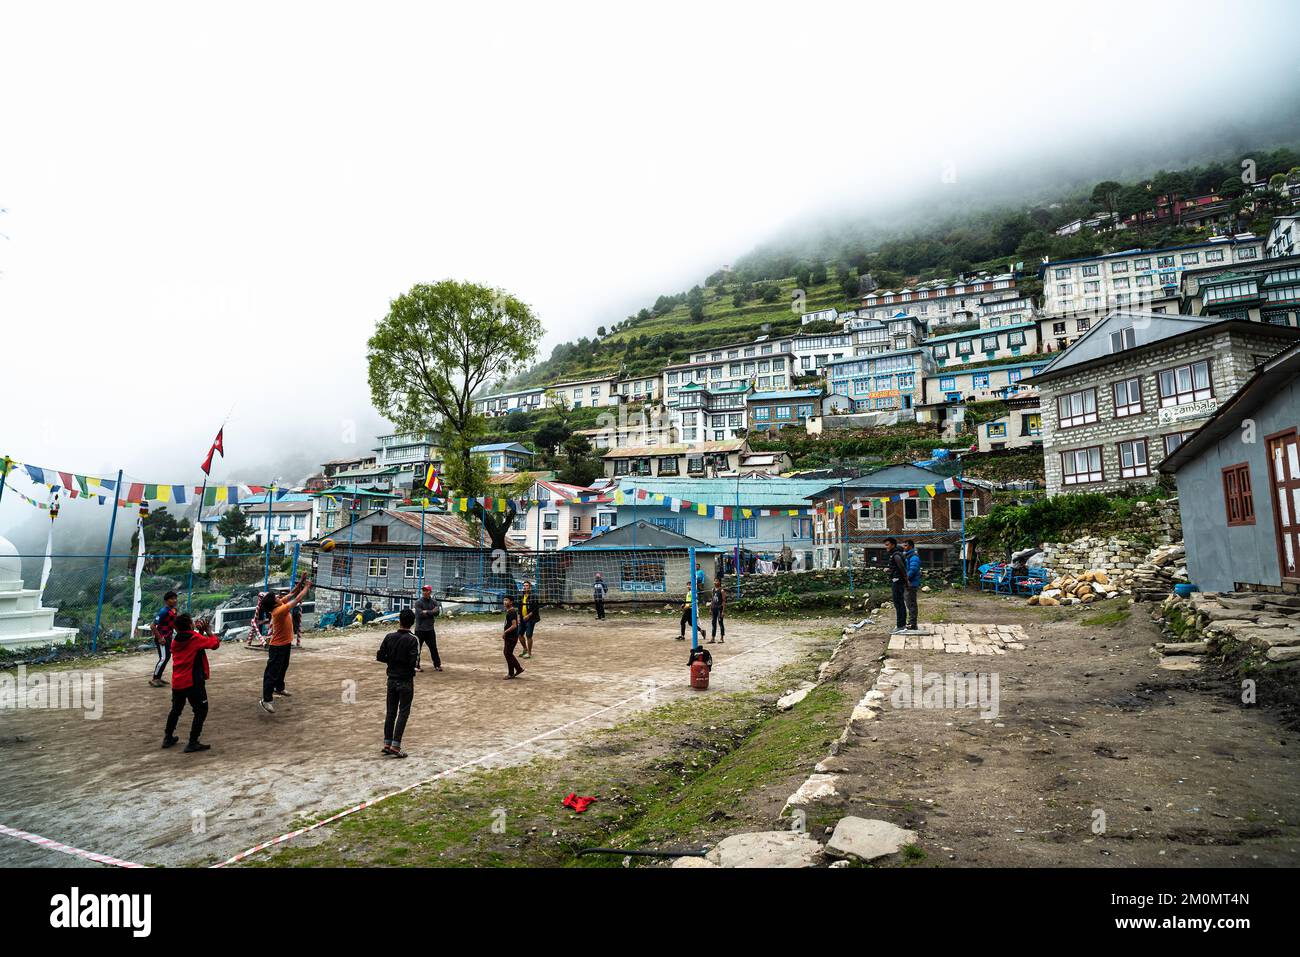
pixel 208 209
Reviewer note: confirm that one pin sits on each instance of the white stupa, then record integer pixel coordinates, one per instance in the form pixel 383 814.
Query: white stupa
pixel 24 623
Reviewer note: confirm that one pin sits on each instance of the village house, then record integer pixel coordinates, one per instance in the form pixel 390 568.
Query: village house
pixel 761 536
pixel 874 336
pixel 859 529
pixel 382 559
pixel 504 457
pixel 1283 237
pixel 410 453
pixel 1146 279
pixel 585 393
pixel 1264 291
pixel 1135 386
pixel 706 413
pixel 821 315
pixel 947 392
pixel 772 411
pixel 982 346
pixel 995 313
pixel 940 303
pixel 637 561
pixel 337 505
pixel 1020 426
pixel 287 517
pixel 705 460
pixel 503 403
pixel 894 380
pixel 1055 333
pixel 558 520
pixel 1239 485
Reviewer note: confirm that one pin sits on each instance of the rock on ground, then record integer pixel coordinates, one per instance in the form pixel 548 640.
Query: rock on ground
pixel 867 839
pixel 765 849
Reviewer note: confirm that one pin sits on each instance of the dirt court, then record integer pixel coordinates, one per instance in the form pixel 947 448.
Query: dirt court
pixel 106 785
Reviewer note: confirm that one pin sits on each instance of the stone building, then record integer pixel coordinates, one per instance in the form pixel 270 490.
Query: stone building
pixel 1239 488
pixel 858 531
pixel 1133 388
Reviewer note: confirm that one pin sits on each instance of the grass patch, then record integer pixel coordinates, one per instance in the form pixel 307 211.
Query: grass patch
pixel 1107 619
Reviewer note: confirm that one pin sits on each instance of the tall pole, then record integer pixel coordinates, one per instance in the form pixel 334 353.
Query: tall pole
pixel 961 490
pixel 4 474
pixel 419 562
pixel 293 571
pixel 266 559
pixel 737 517
pixel 108 551
pixel 198 519
pixel 844 535
pixel 695 604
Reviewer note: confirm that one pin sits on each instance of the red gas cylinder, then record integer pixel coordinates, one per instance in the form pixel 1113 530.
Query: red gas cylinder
pixel 699 676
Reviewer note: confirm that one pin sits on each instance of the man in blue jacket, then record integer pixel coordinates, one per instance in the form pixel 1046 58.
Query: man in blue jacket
pixel 913 581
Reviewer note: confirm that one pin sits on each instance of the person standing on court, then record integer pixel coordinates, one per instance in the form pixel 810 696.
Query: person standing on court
pixel 277 653
pixel 913 581
pixel 530 614
pixel 510 636
pixel 427 609
pixel 598 592
pixel 189 680
pixel 897 565
pixel 162 628
pixel 686 617
pixel 718 606
pixel 400 650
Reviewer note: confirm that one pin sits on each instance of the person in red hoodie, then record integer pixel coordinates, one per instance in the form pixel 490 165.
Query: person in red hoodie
pixel 189 679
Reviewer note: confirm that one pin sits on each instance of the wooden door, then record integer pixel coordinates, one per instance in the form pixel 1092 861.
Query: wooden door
pixel 1284 481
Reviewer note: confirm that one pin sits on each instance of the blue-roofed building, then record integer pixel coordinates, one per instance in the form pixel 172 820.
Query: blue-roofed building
pixel 892 380
pixel 505 456
pixel 755 535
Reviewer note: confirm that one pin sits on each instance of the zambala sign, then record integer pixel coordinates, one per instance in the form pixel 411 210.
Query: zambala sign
pixel 1188 410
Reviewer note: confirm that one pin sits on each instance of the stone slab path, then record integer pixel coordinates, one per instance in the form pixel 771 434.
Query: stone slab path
pixel 963 639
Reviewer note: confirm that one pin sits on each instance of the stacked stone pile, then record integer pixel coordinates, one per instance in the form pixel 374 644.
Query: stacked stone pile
pixel 1076 589
pixel 1155 578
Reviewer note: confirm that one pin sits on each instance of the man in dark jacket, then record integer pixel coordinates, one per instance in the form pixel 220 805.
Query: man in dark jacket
pixel 189 680
pixel 400 650
pixel 897 564
pixel 427 609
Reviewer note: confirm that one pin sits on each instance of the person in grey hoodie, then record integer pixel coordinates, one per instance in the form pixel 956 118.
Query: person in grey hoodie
pixel 598 592
pixel 427 609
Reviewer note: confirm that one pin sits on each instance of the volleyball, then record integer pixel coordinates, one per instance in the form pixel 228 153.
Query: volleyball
pixel 327 545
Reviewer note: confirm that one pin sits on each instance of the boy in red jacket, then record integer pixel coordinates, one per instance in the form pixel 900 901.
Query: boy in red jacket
pixel 189 679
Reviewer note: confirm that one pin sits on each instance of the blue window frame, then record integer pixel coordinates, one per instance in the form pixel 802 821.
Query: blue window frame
pixel 763 412
pixel 948 383
pixel 748 528
pixel 677 525
pixel 980 380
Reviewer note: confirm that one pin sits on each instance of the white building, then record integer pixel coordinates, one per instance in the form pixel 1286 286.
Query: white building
pixel 822 315
pixel 503 403
pixel 558 521
pixel 1144 278
pixel 1283 237
pixel 941 302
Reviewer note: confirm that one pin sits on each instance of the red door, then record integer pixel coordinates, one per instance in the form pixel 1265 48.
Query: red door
pixel 1284 480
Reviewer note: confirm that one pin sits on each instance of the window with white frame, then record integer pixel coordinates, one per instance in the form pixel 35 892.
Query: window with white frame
pixel 1076 408
pixel 1185 383
pixel 413 568
pixel 1128 397
pixel 377 568
pixel 1133 459
pixel 1080 466
pixel 916 512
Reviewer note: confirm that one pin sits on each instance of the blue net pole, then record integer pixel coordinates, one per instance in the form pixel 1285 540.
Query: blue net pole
pixel 695 604
pixel 108 551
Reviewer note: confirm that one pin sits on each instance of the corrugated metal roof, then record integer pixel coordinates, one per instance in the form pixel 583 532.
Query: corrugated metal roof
pixel 787 394
pixel 754 492
pixel 447 531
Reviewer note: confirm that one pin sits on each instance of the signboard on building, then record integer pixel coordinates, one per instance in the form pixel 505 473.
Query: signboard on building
pixel 1187 411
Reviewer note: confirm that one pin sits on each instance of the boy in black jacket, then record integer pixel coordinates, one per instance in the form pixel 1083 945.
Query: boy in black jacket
pixel 400 651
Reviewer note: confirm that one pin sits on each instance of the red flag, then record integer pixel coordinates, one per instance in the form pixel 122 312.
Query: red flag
pixel 216 447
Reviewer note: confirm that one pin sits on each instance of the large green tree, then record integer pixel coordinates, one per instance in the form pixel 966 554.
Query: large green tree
pixel 436 348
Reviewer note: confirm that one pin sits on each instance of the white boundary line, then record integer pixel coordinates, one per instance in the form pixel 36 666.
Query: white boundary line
pixel 52 845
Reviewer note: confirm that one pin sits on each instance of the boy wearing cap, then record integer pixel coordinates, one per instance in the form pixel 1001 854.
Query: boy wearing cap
pixel 427 608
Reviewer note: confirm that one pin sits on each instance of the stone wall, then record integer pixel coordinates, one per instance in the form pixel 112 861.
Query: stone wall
pixel 1119 555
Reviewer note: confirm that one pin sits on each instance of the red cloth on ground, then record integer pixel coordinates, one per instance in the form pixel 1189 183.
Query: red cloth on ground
pixel 579 804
